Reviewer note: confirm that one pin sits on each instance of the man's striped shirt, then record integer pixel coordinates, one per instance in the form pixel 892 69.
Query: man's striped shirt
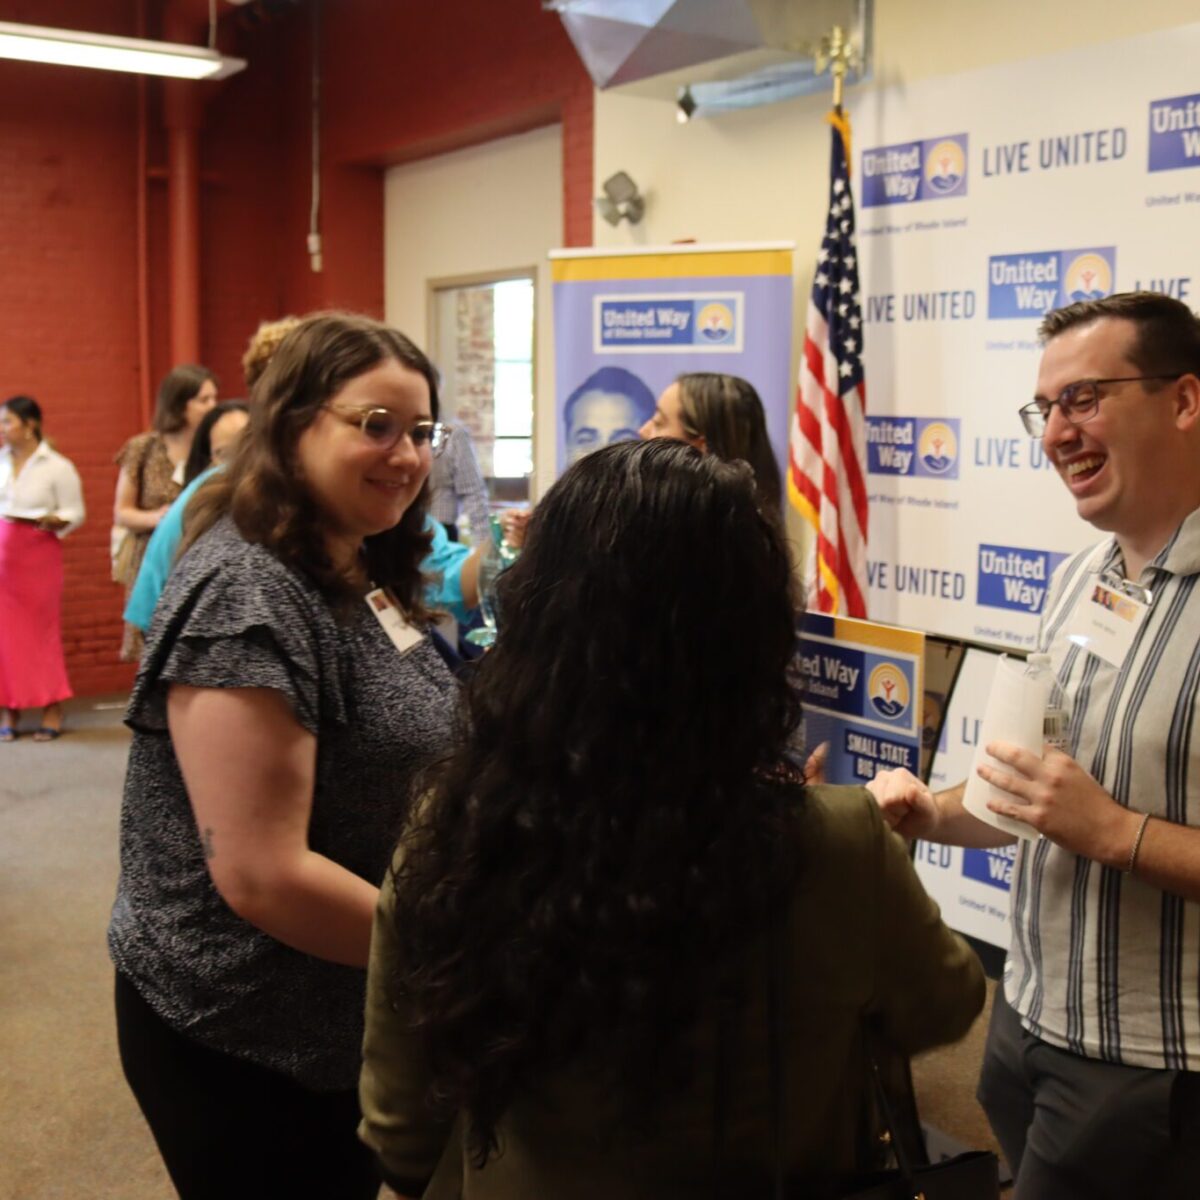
pixel 1102 963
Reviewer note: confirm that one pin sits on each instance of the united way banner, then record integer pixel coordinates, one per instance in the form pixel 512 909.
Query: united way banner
pixel 985 200
pixel 863 686
pixel 627 323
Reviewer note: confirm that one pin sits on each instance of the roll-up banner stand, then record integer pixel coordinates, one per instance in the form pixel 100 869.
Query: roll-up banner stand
pixel 627 322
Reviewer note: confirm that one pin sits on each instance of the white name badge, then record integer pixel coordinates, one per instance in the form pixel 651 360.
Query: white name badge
pixel 1106 619
pixel 387 612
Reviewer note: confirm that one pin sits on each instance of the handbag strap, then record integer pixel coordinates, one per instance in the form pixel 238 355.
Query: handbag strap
pixel 775 1050
pixel 904 1164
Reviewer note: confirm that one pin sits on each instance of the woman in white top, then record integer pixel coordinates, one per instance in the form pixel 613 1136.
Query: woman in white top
pixel 41 501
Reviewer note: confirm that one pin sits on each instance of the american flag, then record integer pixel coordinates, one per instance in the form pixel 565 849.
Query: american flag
pixel 828 439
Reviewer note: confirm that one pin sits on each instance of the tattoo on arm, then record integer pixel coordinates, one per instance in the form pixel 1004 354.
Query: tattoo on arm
pixel 206 843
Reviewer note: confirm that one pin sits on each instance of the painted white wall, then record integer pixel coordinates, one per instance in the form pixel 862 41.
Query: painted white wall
pixel 761 175
pixel 494 207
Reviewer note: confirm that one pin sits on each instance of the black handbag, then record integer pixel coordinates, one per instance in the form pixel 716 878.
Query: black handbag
pixel 972 1175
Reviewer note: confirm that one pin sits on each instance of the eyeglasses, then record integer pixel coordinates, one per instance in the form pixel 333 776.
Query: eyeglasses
pixel 384 429
pixel 1077 402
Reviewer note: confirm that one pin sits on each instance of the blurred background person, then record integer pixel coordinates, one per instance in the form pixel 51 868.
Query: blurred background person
pixel 609 406
pixel 584 906
pixel 288 693
pixel 216 438
pixel 159 555
pixel 456 487
pixel 41 501
pixel 721 415
pixel 151 476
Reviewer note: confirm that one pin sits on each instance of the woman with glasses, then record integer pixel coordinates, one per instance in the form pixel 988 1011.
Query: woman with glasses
pixel 288 694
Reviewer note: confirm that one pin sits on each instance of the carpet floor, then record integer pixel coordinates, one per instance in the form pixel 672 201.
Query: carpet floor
pixel 70 1126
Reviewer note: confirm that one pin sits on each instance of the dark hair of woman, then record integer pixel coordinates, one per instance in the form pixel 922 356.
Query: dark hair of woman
pixel 262 488
pixel 726 411
pixel 613 827
pixel 179 385
pixel 199 457
pixel 27 409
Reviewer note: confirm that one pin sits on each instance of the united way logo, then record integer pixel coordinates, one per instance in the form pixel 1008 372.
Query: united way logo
pixel 1087 277
pixel 994 867
pixel 937 448
pixel 1029 285
pixel 715 323
pixel 1175 133
pixel 887 689
pixel 946 166
pixel 930 169
pixel 920 447
pixel 1015 577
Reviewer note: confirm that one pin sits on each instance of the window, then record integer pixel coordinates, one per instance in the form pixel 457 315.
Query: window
pixel 483 339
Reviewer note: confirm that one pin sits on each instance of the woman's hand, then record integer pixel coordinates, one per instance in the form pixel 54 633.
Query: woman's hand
pixel 126 513
pixel 514 522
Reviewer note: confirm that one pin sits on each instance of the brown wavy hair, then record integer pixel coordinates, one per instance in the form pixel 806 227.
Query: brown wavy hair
pixel 726 411
pixel 263 489
pixel 179 385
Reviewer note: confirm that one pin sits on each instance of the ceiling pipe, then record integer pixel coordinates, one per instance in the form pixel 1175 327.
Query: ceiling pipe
pixel 183 115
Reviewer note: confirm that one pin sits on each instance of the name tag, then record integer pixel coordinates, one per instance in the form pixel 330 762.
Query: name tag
pixel 1107 617
pixel 387 612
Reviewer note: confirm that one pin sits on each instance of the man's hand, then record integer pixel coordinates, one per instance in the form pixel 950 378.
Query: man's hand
pixel 1057 797
pixel 906 804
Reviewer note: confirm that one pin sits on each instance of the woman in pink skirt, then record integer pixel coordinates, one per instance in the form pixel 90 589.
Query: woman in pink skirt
pixel 41 501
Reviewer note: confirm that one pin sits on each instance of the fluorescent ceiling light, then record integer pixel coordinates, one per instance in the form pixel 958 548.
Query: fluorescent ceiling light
pixel 72 48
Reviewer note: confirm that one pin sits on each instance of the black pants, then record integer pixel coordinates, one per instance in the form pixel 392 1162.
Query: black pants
pixel 228 1129
pixel 1075 1128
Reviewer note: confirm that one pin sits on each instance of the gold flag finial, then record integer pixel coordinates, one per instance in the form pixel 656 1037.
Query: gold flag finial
pixel 836 54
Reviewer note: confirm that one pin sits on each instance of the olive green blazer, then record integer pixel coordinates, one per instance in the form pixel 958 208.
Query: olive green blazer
pixel 862 940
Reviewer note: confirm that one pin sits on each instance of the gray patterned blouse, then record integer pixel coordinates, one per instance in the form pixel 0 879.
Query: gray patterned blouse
pixel 232 615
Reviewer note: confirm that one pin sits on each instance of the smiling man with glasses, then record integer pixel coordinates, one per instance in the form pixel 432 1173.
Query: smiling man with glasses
pixel 1091 1077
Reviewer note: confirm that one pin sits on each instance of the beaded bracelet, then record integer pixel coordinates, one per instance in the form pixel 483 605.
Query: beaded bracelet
pixel 1137 844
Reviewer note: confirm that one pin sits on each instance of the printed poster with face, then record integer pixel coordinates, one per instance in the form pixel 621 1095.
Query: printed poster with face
pixel 628 323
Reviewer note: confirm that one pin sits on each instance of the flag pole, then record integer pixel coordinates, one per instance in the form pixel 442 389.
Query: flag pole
pixel 827 459
pixel 835 54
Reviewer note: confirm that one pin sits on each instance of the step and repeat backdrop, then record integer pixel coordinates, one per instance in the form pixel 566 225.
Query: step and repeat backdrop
pixel 985 200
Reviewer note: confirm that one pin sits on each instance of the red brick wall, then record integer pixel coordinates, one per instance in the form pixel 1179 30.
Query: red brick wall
pixel 405 81
pixel 67 304
pixel 401 81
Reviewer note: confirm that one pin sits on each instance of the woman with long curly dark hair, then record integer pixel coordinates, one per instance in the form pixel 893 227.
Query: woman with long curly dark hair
pixel 573 945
